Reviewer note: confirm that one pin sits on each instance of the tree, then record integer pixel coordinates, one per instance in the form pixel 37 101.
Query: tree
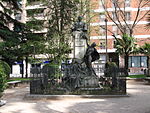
pixel 125 46
pixel 32 45
pixel 32 32
pixel 11 38
pixel 60 15
pixel 120 17
pixel 18 41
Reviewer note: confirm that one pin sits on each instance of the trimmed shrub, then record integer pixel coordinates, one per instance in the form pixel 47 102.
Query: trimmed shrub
pixel 111 65
pixel 109 68
pixel 5 68
pixel 2 80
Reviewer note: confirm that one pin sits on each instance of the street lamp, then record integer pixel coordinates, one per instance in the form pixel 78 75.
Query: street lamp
pixel 106 39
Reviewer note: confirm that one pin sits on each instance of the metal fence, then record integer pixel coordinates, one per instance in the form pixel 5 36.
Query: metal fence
pixel 50 80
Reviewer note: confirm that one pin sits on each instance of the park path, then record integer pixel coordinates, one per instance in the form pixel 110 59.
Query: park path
pixel 138 102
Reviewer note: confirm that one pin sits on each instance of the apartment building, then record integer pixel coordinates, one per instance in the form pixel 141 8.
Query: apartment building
pixel 137 63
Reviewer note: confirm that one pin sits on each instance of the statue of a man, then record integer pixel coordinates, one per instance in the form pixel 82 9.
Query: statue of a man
pixel 81 27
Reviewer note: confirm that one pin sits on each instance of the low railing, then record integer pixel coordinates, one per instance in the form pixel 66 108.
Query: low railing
pixel 52 81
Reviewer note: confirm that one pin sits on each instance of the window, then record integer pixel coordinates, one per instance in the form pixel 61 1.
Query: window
pixel 114 2
pixel 135 62
pixel 114 43
pixel 101 2
pixel 127 16
pixel 18 16
pixel 114 16
pixel 102 18
pixel 19 2
pixel 144 61
pixel 102 30
pixel 138 61
pixel 115 30
pixel 127 3
pixel 102 44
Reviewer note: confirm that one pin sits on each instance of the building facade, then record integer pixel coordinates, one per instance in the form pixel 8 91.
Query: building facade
pixel 131 12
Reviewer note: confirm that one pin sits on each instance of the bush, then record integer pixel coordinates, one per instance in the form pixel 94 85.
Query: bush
pixel 52 70
pixel 109 68
pixel 2 80
pixel 5 68
pixel 111 65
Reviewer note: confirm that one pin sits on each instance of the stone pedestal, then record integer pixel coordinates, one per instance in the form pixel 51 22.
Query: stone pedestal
pixel 79 45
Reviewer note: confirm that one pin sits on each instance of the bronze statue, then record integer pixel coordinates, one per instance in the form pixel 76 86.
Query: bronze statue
pixel 81 27
pixel 90 56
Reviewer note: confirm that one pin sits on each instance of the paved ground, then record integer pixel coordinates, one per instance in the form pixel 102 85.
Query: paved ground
pixel 138 102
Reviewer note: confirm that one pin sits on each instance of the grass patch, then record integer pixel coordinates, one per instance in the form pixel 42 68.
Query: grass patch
pixel 137 76
pixel 18 79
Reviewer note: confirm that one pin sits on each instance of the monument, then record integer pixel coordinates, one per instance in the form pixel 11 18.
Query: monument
pixel 79 32
pixel 78 77
pixel 80 72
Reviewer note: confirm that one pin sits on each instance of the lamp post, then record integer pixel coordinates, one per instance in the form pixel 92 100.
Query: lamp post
pixel 106 39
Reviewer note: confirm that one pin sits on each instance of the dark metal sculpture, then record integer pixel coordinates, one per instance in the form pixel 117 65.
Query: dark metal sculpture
pixel 80 73
pixel 81 27
pixel 90 56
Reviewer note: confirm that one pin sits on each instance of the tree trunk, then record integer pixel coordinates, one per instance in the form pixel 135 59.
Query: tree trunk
pixel 148 65
pixel 126 58
pixel 26 67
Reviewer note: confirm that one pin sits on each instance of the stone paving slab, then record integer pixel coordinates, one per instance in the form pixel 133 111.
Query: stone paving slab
pixel 138 102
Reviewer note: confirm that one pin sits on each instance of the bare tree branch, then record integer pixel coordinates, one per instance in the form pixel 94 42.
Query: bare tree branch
pixel 107 29
pixel 123 15
pixel 119 11
pixel 137 15
pixel 141 18
pixel 109 16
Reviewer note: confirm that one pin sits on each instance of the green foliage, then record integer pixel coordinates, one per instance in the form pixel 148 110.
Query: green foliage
pixel 145 49
pixel 137 76
pixel 125 45
pixel 61 14
pixel 35 24
pixel 53 70
pixel 34 12
pixel 11 38
pixel 57 50
pixel 18 79
pixel 34 2
pixel 109 67
pixel 5 67
pixel 19 42
pixel 2 80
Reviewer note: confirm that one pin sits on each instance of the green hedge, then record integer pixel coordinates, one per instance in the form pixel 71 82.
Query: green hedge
pixel 109 67
pixel 5 68
pixel 4 74
pixel 2 81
